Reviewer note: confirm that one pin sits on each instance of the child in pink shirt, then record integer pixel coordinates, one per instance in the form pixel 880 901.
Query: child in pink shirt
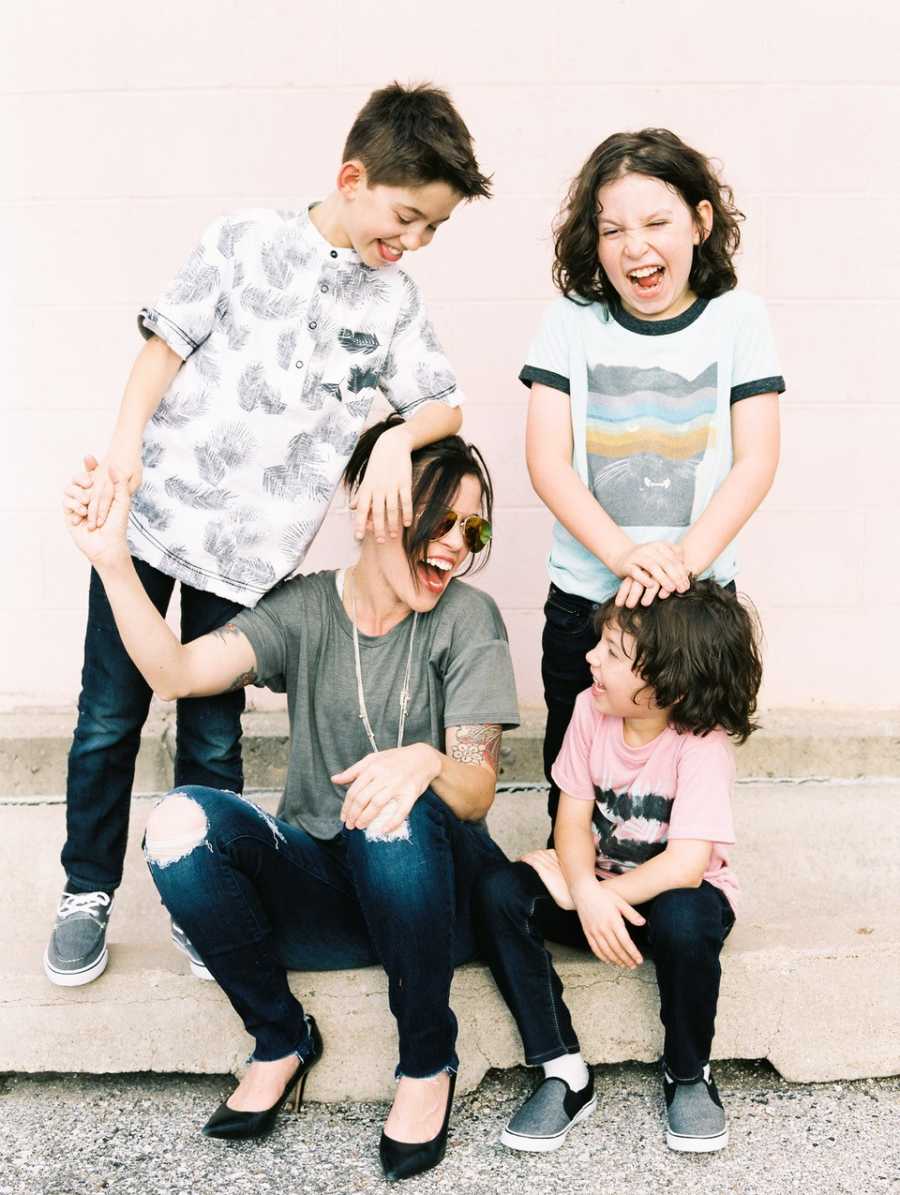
pixel 641 861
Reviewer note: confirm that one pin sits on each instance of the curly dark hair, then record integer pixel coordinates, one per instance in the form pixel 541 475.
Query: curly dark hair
pixel 437 470
pixel 699 652
pixel 411 136
pixel 660 154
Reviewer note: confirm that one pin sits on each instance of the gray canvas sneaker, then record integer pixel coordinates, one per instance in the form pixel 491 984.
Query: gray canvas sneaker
pixel 77 951
pixel 185 945
pixel 695 1119
pixel 544 1120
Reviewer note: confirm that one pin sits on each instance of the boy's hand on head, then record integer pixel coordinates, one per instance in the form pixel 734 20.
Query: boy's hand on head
pixel 106 545
pixel 631 593
pixel 658 566
pixel 127 463
pixel 385 494
pixel 603 915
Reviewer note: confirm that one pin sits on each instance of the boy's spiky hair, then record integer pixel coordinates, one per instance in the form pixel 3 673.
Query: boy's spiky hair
pixel 699 652
pixel 411 136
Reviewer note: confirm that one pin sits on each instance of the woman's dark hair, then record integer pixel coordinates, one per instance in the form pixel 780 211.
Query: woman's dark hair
pixel 410 136
pixel 437 470
pixel 699 652
pixel 659 154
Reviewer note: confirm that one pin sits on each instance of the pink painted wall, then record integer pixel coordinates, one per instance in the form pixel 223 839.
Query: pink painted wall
pixel 127 129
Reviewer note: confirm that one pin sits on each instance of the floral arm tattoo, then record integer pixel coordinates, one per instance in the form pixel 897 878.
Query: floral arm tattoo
pixel 477 745
pixel 245 678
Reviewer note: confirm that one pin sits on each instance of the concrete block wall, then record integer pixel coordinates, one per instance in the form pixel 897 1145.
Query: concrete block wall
pixel 126 130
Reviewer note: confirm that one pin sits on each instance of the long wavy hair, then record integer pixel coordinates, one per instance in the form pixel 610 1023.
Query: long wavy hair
pixel 699 652
pixel 660 154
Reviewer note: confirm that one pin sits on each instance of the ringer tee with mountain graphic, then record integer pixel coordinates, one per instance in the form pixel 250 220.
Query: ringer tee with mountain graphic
pixel 677 786
pixel 651 416
pixel 286 342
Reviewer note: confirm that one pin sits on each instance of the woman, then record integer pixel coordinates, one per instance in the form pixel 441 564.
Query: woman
pixel 399 684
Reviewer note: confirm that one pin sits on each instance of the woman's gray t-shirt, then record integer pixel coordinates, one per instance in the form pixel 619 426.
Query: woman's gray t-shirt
pixel 303 640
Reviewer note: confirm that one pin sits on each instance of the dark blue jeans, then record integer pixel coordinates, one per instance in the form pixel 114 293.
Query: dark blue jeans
pixel 684 933
pixel 112 710
pixel 258 896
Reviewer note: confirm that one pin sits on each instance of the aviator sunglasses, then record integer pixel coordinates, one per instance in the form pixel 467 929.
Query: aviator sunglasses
pixel 476 531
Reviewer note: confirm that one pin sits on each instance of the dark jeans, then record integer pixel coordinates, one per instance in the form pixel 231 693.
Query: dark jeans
pixel 568 636
pixel 684 934
pixel 258 896
pixel 112 710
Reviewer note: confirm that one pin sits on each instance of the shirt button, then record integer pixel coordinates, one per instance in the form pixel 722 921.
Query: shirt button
pixel 312 325
pixel 298 364
pixel 334 252
pixel 324 289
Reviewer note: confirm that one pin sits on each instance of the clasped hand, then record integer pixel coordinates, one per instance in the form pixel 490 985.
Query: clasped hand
pixel 384 786
pixel 603 913
pixel 651 570
pixel 103 541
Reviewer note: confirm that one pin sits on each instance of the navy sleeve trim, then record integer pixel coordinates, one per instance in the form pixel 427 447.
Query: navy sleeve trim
pixel 760 386
pixel 544 378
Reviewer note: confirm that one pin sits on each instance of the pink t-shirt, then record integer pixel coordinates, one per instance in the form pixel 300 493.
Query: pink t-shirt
pixel 677 786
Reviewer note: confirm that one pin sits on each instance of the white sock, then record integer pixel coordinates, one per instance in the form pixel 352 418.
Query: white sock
pixel 571 1068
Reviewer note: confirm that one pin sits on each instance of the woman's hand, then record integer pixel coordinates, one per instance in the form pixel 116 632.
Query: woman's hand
pixel 648 570
pixel 103 545
pixel 384 786
pixel 603 915
pixel 386 489
pixel 546 864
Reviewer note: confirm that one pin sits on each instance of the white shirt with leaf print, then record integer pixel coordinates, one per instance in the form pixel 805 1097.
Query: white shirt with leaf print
pixel 285 341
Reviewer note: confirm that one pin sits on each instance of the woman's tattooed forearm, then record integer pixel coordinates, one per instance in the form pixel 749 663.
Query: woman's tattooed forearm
pixel 477 745
pixel 240 682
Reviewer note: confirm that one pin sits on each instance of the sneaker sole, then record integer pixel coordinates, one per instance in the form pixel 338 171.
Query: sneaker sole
pixel 542 1145
pixel 76 979
pixel 696 1145
pixel 198 970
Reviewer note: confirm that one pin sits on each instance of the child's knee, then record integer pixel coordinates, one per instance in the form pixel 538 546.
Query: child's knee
pixel 176 827
pixel 681 924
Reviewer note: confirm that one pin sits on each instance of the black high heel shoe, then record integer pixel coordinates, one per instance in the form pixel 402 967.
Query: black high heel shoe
pixel 232 1124
pixel 403 1159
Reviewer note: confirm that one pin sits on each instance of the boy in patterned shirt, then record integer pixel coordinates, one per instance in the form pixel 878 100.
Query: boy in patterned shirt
pixel 263 358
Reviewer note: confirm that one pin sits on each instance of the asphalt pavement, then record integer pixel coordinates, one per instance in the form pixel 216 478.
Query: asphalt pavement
pixel 139 1135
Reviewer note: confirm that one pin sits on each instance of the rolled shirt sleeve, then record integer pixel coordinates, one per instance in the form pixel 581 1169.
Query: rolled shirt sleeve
pixel 184 313
pixel 416 369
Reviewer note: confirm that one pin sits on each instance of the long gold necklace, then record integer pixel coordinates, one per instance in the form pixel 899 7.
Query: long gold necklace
pixel 360 691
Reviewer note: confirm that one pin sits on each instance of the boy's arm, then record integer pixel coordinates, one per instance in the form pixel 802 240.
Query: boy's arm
pixel 151 375
pixel 682 864
pixel 601 910
pixel 215 663
pixel 386 489
pixel 755 438
pixel 548 451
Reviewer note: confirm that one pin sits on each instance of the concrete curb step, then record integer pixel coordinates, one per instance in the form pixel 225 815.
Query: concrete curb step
pixel 811 973
pixel 799 744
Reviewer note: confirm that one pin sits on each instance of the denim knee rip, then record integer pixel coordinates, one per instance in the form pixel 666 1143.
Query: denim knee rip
pixel 163 852
pixel 401 834
pixel 267 818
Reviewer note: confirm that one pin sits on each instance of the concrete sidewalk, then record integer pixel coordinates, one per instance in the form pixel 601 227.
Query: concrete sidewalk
pixel 811 972
pixel 139 1135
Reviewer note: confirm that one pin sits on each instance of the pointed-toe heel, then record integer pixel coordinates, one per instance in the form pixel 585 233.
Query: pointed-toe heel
pixel 403 1159
pixel 230 1124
